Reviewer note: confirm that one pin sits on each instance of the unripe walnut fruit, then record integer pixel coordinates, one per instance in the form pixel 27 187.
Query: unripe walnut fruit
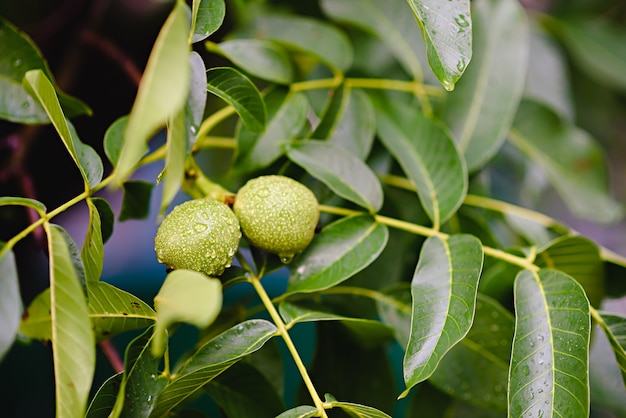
pixel 201 235
pixel 277 214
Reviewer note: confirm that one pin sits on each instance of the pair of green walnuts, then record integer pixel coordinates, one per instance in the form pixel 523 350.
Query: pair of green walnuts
pixel 275 213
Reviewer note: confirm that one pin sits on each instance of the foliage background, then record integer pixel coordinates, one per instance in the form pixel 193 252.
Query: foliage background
pixel 65 30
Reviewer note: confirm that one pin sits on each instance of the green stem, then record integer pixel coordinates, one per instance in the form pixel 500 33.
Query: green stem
pixel 511 209
pixel 282 331
pixel 414 87
pixel 215 118
pixel 429 232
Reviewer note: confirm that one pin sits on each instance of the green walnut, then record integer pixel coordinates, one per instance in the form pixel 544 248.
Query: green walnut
pixel 201 235
pixel 277 214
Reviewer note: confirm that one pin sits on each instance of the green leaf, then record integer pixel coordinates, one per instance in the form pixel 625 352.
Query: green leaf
pixel 103 401
pixel 304 411
pixel 107 217
pixel 10 302
pixel 36 322
pixel 92 252
pixel 344 173
pixel 75 258
pixel 114 139
pixel 22 55
pixel 573 161
pixel 114 311
pixel 265 148
pixel 341 250
pixel 212 359
pixel 185 296
pixel 181 132
pixel 141 383
pixel 481 109
pixel 356 125
pixel 196 100
pixel 443 290
pixel 390 22
pixel 22 201
pixel 549 372
pixel 596 45
pixel 136 201
pixel 242 391
pixel 614 327
pixel 241 93
pixel 476 370
pixel 73 343
pixel 85 157
pixel 579 258
pixel 207 17
pixel 428 157
pixel 308 35
pixel 548 78
pixel 263 59
pixel 447 31
pixel 162 91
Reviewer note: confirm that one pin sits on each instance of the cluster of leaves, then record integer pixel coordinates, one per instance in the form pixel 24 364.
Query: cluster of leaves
pixel 492 304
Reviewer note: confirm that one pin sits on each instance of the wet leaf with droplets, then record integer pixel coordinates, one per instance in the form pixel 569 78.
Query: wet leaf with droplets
pixel 447 30
pixel 549 372
pixel 141 383
pixel 341 250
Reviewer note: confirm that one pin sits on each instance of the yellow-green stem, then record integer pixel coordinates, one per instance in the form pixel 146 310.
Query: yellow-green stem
pixel 429 232
pixel 282 331
pixel 215 118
